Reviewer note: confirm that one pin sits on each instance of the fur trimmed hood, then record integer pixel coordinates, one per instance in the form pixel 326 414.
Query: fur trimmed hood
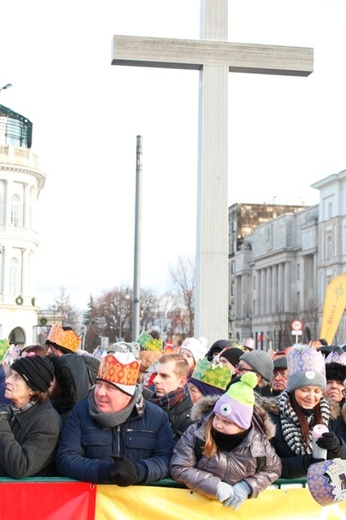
pixel 203 409
pixel 270 405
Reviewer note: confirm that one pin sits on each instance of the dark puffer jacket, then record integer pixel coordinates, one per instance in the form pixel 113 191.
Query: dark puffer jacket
pixel 241 463
pixel 86 448
pixel 294 466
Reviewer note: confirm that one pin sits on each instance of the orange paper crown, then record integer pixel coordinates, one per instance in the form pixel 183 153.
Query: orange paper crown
pixel 119 368
pixel 64 338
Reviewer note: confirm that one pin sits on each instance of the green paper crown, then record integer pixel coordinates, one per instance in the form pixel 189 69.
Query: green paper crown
pixel 210 374
pixel 146 341
pixel 4 346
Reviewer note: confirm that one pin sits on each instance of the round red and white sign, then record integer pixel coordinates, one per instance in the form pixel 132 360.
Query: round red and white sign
pixel 297 325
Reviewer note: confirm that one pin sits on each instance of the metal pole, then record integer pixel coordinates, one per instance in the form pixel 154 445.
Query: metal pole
pixel 137 245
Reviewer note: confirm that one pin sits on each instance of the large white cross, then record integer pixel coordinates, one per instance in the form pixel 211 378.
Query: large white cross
pixel 214 57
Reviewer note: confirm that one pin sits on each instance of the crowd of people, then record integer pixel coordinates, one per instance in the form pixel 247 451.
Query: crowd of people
pixel 226 421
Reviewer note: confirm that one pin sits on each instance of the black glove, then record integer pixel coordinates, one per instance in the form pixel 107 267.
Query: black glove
pixel 123 472
pixel 5 412
pixel 329 441
pixel 308 460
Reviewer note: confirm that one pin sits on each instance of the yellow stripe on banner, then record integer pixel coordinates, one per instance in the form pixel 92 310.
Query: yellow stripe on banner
pixel 148 503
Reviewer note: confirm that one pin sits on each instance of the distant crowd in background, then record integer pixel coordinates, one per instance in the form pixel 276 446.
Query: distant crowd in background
pixel 226 420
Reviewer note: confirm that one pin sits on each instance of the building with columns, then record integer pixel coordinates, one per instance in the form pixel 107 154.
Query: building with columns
pixel 21 181
pixel 281 268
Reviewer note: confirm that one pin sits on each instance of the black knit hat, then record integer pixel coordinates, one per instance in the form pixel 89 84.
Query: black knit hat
pixel 36 371
pixel 233 355
pixel 335 372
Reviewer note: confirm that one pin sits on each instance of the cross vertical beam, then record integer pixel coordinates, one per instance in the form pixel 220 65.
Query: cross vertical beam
pixel 214 57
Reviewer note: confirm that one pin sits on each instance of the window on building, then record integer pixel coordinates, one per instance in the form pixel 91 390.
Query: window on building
pixel 232 267
pixel 298 271
pixel 254 283
pixel 232 289
pixel 329 247
pixel 330 209
pixel 14 276
pixel 15 211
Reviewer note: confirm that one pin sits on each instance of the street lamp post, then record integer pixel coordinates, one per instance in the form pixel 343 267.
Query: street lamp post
pixel 8 85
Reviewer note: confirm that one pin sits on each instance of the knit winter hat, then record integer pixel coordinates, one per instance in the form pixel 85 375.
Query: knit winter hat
pixel 233 355
pixel 37 371
pixel 260 361
pixel 215 376
pixel 306 367
pixel 198 348
pixel 67 339
pixel 236 405
pixel 121 370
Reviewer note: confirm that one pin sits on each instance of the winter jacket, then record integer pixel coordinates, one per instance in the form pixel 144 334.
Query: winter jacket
pixel 86 448
pixel 28 441
pixel 241 463
pixel 3 399
pixel 293 464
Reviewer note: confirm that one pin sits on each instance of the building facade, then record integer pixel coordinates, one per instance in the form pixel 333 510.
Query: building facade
pixel 21 182
pixel 279 270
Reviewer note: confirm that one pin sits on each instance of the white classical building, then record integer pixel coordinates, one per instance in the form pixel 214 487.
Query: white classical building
pixel 21 181
pixel 280 270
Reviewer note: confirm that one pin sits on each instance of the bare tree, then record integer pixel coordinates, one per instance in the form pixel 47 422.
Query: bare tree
pixel 71 316
pixel 183 276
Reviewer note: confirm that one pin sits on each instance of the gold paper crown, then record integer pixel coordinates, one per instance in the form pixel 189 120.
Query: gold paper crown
pixel 64 338
pixel 210 374
pixel 119 369
pixel 146 341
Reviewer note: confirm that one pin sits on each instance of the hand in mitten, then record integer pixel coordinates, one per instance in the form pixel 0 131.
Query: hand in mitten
pixel 5 412
pixel 308 460
pixel 224 491
pixel 123 472
pixel 329 441
pixel 240 493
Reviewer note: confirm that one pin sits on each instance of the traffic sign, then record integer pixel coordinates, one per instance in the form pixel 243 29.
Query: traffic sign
pixel 297 325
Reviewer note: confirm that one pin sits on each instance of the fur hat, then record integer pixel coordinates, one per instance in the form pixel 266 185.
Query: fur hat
pixel 121 370
pixel 260 361
pixel 198 348
pixel 63 337
pixel 236 405
pixel 335 372
pixel 306 367
pixel 37 372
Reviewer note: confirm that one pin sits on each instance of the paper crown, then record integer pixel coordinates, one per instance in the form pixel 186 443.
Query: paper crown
pixel 248 343
pixel 211 374
pixel 4 346
pixel 64 338
pixel 121 369
pixel 147 342
pixel 337 355
pixel 306 367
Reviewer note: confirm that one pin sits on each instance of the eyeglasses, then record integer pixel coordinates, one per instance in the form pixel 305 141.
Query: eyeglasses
pixel 241 368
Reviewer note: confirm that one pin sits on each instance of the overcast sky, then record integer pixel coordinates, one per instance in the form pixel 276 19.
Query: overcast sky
pixel 285 133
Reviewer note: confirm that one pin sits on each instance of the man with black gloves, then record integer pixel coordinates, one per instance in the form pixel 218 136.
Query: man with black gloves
pixel 115 436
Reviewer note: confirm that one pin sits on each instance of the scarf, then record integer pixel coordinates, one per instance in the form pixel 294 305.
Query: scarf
pixel 168 401
pixel 112 420
pixel 226 442
pixel 291 426
pixel 17 411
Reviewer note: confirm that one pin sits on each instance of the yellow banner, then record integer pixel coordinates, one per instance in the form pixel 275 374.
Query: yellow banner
pixel 149 503
pixel 334 305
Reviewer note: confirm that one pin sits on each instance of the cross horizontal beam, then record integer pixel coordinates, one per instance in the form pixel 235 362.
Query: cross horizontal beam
pixel 140 51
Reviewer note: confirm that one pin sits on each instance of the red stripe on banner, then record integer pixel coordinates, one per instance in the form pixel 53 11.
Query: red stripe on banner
pixel 47 501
